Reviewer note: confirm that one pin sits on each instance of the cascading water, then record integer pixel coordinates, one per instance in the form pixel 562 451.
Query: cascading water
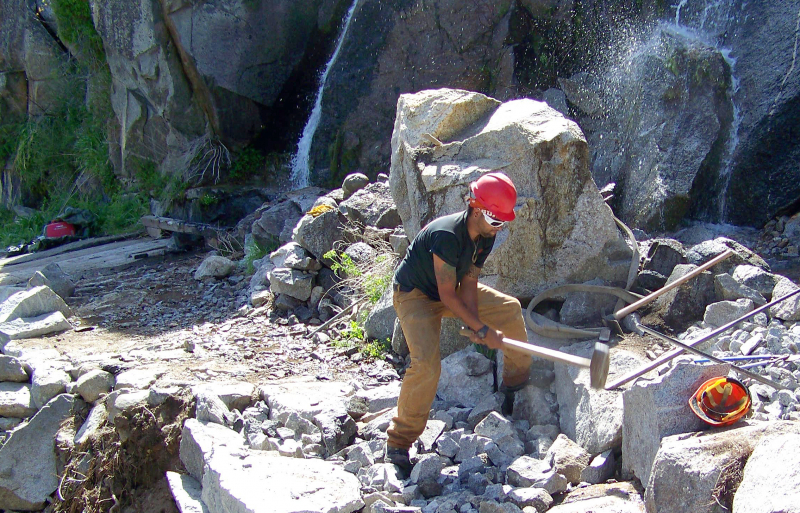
pixel 624 83
pixel 714 15
pixel 300 169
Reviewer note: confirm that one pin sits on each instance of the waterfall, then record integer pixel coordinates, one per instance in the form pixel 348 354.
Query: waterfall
pixel 716 14
pixel 300 170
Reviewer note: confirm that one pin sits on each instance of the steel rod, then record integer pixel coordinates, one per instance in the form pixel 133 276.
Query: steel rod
pixel 739 358
pixel 672 354
pixel 751 375
pixel 683 279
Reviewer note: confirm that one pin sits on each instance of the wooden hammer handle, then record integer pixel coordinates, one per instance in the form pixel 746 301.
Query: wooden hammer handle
pixel 541 352
pixel 683 279
pixel 547 353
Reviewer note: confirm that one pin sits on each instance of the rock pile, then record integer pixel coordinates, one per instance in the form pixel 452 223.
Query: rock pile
pixel 297 277
pixel 780 237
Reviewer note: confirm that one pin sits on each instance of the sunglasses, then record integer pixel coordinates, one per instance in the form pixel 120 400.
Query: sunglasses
pixel 494 223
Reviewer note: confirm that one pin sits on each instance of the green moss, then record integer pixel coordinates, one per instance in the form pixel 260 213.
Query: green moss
pixel 208 200
pixel 341 161
pixel 672 93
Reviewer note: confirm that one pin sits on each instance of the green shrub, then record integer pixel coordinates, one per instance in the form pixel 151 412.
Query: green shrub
pixel 371 281
pixel 247 163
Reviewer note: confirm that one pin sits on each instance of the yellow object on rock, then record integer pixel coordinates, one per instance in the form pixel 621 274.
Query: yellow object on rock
pixel 319 210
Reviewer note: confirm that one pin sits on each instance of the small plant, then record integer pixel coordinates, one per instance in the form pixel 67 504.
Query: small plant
pixel 353 335
pixel 353 331
pixel 491 354
pixel 255 251
pixel 247 163
pixel 207 200
pixel 376 348
pixel 342 265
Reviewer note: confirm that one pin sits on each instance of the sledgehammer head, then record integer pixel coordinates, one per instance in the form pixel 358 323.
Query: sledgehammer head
pixel 598 370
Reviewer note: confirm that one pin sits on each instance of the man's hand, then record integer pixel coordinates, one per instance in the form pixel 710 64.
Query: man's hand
pixel 492 340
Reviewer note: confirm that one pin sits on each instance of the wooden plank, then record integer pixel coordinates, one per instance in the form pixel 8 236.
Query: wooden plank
pixel 64 248
pixel 78 263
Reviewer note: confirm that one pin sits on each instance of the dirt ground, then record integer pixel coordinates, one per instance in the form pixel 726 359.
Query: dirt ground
pixel 151 311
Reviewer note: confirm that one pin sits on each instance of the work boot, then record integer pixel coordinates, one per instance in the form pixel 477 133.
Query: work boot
pixel 399 458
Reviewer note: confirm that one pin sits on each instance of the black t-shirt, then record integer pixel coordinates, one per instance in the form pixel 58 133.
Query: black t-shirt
pixel 446 237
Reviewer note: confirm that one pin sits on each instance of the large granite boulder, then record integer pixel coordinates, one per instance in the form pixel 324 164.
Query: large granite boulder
pixel 659 408
pixel 563 233
pixel 466 377
pixel 770 478
pixel 701 472
pixel 591 417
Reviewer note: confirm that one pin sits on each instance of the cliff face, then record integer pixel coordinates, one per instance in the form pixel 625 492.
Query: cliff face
pixel 690 111
pixel 399 47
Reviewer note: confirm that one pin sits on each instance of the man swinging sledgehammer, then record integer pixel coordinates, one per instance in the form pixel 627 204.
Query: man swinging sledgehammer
pixel 438 277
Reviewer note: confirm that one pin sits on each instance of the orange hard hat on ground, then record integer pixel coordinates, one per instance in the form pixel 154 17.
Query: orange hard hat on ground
pixel 496 193
pixel 721 401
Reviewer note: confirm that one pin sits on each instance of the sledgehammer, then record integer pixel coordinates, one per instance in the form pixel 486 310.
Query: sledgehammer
pixel 597 365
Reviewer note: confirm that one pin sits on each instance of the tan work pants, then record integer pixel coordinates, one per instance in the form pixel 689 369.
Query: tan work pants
pixel 421 320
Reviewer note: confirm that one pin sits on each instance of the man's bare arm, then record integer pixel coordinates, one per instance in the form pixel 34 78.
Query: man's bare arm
pixel 468 291
pixel 446 282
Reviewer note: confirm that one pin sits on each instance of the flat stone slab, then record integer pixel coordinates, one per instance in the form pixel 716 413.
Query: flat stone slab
pixel 616 497
pixel 34 326
pixel 199 440
pixel 32 303
pixel 771 480
pixel 16 400
pixel 306 398
pixel 186 491
pixel 138 379
pixel 28 474
pixel 235 395
pixel 256 482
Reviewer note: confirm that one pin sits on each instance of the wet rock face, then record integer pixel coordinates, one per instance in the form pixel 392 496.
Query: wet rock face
pixel 399 47
pixel 247 53
pixel 765 160
pixel 634 116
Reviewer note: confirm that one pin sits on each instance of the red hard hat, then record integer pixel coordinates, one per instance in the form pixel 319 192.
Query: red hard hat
pixel 721 401
pixel 496 193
